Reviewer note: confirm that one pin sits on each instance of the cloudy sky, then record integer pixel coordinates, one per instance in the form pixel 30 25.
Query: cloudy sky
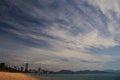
pixel 61 34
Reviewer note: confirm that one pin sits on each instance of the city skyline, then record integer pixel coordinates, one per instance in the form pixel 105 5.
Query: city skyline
pixel 61 34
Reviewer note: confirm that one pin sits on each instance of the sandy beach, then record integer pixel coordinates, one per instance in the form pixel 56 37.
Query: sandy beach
pixel 16 76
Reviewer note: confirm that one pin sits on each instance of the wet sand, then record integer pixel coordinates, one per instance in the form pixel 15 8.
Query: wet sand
pixel 16 76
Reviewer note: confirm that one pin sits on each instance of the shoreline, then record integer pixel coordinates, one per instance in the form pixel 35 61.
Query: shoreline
pixel 17 76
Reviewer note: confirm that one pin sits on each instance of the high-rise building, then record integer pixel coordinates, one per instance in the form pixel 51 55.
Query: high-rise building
pixel 26 67
pixel 21 69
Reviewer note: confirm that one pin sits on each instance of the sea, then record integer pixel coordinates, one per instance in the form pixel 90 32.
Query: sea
pixel 105 76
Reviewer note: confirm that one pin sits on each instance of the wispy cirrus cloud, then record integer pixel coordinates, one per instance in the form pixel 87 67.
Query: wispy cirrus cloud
pixel 61 32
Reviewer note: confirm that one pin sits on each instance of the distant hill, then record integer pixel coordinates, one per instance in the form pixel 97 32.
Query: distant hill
pixel 79 72
pixel 90 72
pixel 66 72
pixel 113 71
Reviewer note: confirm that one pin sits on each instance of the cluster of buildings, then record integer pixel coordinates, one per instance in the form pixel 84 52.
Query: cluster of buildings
pixel 22 68
pixel 10 67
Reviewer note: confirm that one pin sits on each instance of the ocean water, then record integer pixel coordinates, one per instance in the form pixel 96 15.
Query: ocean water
pixel 79 76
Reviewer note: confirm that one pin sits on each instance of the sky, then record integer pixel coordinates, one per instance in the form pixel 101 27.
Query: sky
pixel 61 34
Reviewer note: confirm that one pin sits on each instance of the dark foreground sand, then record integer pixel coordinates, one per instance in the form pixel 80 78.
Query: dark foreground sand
pixel 16 76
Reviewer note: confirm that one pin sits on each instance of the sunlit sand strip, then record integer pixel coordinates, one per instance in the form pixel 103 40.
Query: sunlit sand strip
pixel 16 76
